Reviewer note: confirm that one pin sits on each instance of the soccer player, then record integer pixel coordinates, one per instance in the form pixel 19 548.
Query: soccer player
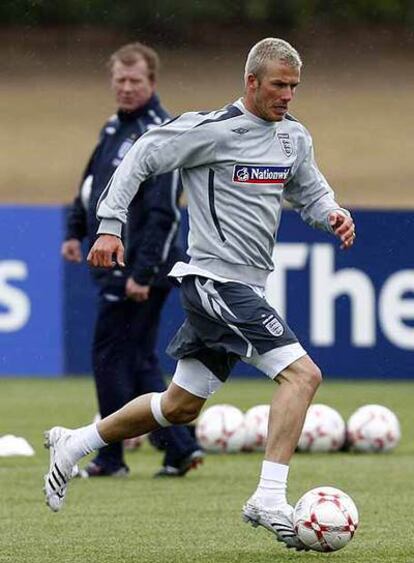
pixel 125 363
pixel 237 165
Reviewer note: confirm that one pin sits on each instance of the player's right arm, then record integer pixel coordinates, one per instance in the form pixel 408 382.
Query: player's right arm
pixel 178 144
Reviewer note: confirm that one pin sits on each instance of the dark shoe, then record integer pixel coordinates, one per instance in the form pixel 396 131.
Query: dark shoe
pixel 93 469
pixel 158 441
pixel 191 461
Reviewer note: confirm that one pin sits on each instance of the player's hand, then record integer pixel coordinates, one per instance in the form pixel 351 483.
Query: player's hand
pixel 135 291
pixel 106 252
pixel 343 227
pixel 71 250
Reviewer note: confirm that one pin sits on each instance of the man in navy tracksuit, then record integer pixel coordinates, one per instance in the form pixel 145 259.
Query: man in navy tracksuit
pixel 130 300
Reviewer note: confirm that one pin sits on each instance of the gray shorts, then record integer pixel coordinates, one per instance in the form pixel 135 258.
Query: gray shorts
pixel 231 321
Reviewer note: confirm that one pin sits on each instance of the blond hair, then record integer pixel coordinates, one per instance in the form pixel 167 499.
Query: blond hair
pixel 270 49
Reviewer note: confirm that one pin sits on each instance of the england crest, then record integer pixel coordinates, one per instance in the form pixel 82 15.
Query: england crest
pixel 286 143
pixel 273 325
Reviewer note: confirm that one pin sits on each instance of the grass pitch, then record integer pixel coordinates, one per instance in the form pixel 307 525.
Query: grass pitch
pixel 196 518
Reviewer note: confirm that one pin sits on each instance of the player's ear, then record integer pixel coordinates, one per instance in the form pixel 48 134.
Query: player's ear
pixel 252 81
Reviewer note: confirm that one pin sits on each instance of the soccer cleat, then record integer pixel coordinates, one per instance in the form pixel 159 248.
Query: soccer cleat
pixel 279 521
pixel 61 470
pixel 167 471
pixel 191 461
pixel 94 469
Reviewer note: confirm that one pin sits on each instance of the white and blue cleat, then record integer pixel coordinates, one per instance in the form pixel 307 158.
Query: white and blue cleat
pixel 279 521
pixel 61 470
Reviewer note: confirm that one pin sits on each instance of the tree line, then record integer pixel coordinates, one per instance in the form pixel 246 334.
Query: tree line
pixel 179 14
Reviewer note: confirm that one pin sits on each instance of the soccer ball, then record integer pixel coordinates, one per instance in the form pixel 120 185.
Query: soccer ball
pixel 324 430
pixel 373 428
pixel 256 420
pixel 325 519
pixel 220 428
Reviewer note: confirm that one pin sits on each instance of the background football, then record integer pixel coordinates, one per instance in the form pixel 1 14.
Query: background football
pixel 220 428
pixel 324 430
pixel 373 428
pixel 325 519
pixel 256 421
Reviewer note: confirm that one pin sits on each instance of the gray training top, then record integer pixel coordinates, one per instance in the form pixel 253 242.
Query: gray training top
pixel 236 169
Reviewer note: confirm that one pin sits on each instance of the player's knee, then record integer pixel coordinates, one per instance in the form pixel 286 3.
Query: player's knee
pixel 180 406
pixel 312 376
pixel 180 413
pixel 168 409
pixel 304 374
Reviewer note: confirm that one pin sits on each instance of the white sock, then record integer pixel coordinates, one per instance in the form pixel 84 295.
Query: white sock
pixel 271 491
pixel 83 441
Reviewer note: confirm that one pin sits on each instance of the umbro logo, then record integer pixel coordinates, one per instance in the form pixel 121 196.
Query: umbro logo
pixel 240 130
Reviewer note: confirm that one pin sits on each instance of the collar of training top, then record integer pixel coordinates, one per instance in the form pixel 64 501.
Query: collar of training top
pixel 152 103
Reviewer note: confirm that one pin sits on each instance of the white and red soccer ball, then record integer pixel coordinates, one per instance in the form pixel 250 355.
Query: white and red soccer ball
pixel 325 519
pixel 323 431
pixel 256 421
pixel 221 428
pixel 373 428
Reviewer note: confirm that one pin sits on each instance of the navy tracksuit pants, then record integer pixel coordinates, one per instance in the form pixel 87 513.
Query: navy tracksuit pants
pixel 125 365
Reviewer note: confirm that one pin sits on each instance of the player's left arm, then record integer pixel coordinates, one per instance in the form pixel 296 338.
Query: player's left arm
pixel 343 227
pixel 312 197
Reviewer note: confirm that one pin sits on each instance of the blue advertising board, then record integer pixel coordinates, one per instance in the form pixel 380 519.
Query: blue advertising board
pixel 31 292
pixel 352 311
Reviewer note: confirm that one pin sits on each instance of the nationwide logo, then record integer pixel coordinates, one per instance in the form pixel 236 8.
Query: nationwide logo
pixel 248 174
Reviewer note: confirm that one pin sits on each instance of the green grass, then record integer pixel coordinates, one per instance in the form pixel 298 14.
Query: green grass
pixel 196 518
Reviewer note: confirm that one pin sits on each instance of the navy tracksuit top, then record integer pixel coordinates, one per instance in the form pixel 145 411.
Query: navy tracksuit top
pixel 150 236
